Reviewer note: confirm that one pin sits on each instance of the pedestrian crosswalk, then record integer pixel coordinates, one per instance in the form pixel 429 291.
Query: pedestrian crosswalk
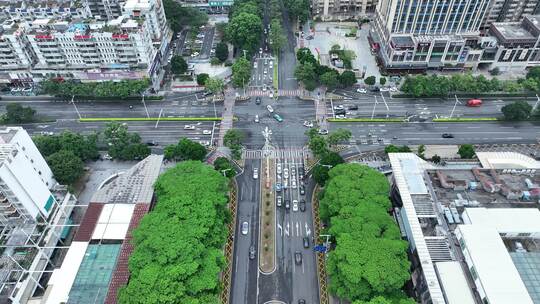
pixel 260 92
pixel 280 154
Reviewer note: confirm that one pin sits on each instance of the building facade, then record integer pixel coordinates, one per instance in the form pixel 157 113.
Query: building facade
pixel 153 14
pixel 510 11
pixel 14 48
pixel 25 179
pixel 30 10
pixel 342 9
pixel 104 9
pixel 414 35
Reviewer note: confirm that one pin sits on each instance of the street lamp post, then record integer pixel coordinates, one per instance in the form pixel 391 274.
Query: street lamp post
pixel 145 108
pixel 454 108
pixel 75 106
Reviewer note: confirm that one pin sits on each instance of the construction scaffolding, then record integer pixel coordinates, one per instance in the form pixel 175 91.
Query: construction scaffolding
pixel 32 248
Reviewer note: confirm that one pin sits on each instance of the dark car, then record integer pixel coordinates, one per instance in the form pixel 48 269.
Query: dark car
pixel 448 135
pixel 258 101
pixel 251 252
pixel 375 89
pixel 302 190
pixel 152 143
pixel 340 112
pixel 301 301
pixel 298 258
pixel 353 107
pixel 302 205
pixel 305 241
pixel 278 187
pixel 287 204
pixel 207 93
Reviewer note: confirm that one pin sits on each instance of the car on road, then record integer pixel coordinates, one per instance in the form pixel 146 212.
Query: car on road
pixel 303 205
pixel 279 200
pixel 251 252
pixel 258 100
pixel 278 118
pixel 205 143
pixel 301 301
pixel 151 143
pixel 278 187
pixel 195 54
pixel 338 107
pixel 392 89
pixel 375 89
pixel 323 131
pixel 206 132
pixel 287 204
pixel 361 90
pixel 245 228
pixel 270 109
pixel 305 242
pixel 255 65
pixel 278 168
pixel 298 257
pixel 341 116
pixel 308 124
pixel 293 183
pixel 295 205
pixel 45 133
pixel 383 89
pixel 301 188
pixel 189 127
pixel 352 108
pixel 256 117
pixel 340 112
pixel 447 135
pixel 255 173
pixel 286 173
pixel 474 103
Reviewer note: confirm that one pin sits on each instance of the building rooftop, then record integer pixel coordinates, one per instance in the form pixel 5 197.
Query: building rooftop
pixel 511 32
pixel 454 283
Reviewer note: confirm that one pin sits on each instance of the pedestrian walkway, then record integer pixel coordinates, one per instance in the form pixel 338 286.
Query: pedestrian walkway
pixel 260 92
pixel 321 113
pixel 281 154
pixel 227 117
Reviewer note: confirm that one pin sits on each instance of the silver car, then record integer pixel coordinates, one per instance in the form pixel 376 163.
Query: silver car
pixel 245 228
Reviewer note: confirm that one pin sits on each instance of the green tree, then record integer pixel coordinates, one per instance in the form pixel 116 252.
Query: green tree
pixel 84 146
pixel 466 151
pixel 249 7
pixel 179 16
pixel 222 51
pixel 534 73
pixel 370 80
pixel 347 79
pixel 382 81
pixel 421 151
pixel 396 149
pixel 304 55
pixel 66 166
pixel 298 8
pixel 201 78
pixel 328 160
pixel 124 145
pixel 306 74
pixel 330 79
pixel 339 135
pixel 224 166
pixel 177 256
pixel 244 31
pixel 178 65
pixel 277 37
pixel 15 113
pixel 190 150
pixel 214 85
pixel 518 110
pixel 233 140
pixel 241 72
pixel 436 159
pixel 318 145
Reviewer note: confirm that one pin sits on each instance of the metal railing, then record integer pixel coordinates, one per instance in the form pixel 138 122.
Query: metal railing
pixel 229 246
pixel 321 260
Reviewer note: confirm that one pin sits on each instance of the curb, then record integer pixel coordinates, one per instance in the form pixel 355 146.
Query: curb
pixel 100 119
pixel 229 246
pixel 274 224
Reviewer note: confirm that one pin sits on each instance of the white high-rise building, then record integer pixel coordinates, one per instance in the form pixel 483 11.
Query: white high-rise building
pixel 25 179
pixel 153 14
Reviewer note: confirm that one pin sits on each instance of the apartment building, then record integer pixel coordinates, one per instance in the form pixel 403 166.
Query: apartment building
pixel 342 9
pixel 13 48
pixel 30 10
pixel 152 12
pixel 510 11
pixel 104 9
pixel 25 179
pixel 409 35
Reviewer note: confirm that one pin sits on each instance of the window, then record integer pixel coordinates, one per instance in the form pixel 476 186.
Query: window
pixel 524 234
pixel 462 243
pixel 473 273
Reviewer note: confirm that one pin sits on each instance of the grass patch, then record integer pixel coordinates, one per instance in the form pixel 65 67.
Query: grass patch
pixel 472 119
pixel 150 119
pixel 366 120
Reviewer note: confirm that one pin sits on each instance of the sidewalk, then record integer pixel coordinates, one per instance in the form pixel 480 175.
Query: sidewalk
pixel 227 117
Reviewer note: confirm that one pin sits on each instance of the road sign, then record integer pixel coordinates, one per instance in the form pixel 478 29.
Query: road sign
pixel 320 248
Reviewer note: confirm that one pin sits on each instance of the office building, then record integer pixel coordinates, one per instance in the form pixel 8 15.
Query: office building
pixel 342 9
pixel 412 36
pixel 510 10
pixel 473 227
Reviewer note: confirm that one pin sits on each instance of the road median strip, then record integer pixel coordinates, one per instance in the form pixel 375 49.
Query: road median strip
pixel 99 119
pixel 366 120
pixel 471 119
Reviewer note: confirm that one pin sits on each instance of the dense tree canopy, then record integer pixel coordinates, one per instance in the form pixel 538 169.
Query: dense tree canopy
pixel 337 136
pixel 466 151
pixel 328 160
pixel 233 140
pixel 201 78
pixel 222 51
pixel 277 37
pixel 120 89
pixel 369 259
pixel 179 16
pixel 224 166
pixel 518 110
pixel 347 78
pixel 66 166
pixel 83 146
pixel 186 149
pixel 298 9
pixel 396 149
pixel 214 85
pixel 241 72
pixel 178 246
pixel 178 65
pixel 124 145
pixel 16 114
pixel 244 31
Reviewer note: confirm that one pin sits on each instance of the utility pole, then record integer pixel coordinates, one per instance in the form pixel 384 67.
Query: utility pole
pixel 159 117
pixel 387 109
pixel 374 105
pixel 75 106
pixel 145 108
pixel 454 108
pixel 536 103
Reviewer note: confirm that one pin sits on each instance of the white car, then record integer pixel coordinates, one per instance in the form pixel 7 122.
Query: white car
pixel 245 228
pixel 361 90
pixel 195 54
pixel 198 41
pixel 293 183
pixel 384 89
pixel 339 107
pixel 265 71
pixel 393 89
pixel 308 124
pixel 278 168
pixel 323 131
pixel 271 62
pixel 264 88
pixel 204 143
pixel 189 127
pixel 270 109
pixel 255 65
pixel 295 205
pixel 286 173
pixel 257 118
pixel 206 132
pixel 340 116
pixel 255 173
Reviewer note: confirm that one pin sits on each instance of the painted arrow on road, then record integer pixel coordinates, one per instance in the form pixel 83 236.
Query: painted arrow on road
pixel 287 229
pixel 308 231
pixel 280 229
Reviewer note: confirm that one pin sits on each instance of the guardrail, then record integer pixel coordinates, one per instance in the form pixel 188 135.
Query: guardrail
pixel 229 246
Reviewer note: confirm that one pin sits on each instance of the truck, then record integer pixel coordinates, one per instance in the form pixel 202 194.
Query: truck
pixel 474 103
